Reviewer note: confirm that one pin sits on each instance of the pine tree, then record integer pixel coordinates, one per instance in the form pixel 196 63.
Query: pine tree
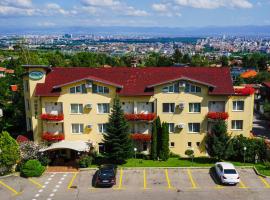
pixel 154 142
pixel 164 153
pixel 118 144
pixel 159 134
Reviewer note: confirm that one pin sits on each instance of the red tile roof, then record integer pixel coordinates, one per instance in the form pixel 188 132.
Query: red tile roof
pixel 267 84
pixel 135 81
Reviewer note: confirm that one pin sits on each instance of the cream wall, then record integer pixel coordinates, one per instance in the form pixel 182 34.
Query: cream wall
pixel 180 137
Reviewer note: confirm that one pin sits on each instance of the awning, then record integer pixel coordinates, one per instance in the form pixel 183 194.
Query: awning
pixel 74 145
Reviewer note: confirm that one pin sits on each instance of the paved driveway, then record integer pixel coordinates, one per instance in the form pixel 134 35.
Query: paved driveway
pixel 136 184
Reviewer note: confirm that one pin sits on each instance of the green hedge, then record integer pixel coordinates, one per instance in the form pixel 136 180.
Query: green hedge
pixel 85 161
pixel 32 168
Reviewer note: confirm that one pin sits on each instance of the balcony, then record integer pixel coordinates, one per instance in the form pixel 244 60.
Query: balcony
pixel 50 137
pixel 218 115
pixel 141 137
pixel 52 117
pixel 246 91
pixel 140 117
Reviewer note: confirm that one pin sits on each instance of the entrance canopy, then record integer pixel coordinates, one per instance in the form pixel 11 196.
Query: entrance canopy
pixel 74 145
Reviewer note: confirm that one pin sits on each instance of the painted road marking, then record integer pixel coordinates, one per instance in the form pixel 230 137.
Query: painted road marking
pixel 71 181
pixel 35 183
pixel 242 185
pixel 145 180
pixel 194 186
pixel 120 180
pixel 266 184
pixel 168 179
pixel 9 188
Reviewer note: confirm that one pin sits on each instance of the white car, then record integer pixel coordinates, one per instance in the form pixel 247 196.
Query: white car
pixel 227 173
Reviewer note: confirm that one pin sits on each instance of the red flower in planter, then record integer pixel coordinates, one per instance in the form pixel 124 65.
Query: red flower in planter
pixel 51 137
pixel 244 91
pixel 21 139
pixel 52 117
pixel 141 137
pixel 141 116
pixel 218 115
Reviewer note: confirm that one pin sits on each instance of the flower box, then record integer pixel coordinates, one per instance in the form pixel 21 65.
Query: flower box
pixel 52 117
pixel 141 137
pixel 218 115
pixel 21 139
pixel 142 116
pixel 246 91
pixel 52 137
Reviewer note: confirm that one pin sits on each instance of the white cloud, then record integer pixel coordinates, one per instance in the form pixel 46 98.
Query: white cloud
pixel 46 24
pixel 100 2
pixel 53 8
pixel 16 3
pixel 213 4
pixel 160 7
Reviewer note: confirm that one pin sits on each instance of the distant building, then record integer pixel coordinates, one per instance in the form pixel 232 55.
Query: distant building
pixel 68 36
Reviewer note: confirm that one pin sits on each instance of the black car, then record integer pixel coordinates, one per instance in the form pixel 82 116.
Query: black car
pixel 105 176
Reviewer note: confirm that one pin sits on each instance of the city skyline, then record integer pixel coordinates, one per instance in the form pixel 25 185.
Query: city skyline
pixel 37 14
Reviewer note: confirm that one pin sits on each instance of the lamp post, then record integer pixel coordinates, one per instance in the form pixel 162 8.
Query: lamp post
pixel 135 151
pixel 245 148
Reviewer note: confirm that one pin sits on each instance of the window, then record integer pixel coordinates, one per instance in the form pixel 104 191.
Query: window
pixel 103 108
pixel 100 89
pixel 78 89
pixel 145 146
pixel 36 107
pixel 194 127
pixel 172 144
pixel 102 128
pixel 194 107
pixel 189 144
pixel 198 144
pixel 171 88
pixel 237 124
pixel 168 107
pixel 192 88
pixel 101 147
pixel 76 108
pixel 77 128
pixel 238 105
pixel 171 127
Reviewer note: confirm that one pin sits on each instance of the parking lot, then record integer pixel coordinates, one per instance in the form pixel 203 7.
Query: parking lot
pixel 136 184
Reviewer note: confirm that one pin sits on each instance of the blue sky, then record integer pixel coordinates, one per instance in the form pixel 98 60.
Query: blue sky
pixel 164 13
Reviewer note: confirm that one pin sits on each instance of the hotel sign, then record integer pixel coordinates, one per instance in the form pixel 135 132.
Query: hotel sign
pixel 36 75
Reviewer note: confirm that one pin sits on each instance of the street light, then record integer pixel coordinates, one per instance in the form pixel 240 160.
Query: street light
pixel 245 148
pixel 135 150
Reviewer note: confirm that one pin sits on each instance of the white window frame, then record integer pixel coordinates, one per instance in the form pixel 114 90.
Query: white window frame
pixel 192 131
pixel 189 85
pixel 77 92
pixel 102 127
pixel 237 106
pixel 171 146
pixel 80 128
pixel 192 105
pixel 171 105
pixel 102 91
pixel 234 123
pixel 166 89
pixel 169 127
pixel 78 108
pixel 98 111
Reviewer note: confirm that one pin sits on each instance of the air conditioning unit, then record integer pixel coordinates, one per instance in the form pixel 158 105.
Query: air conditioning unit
pixel 89 126
pixel 182 84
pixel 181 105
pixel 88 106
pixel 181 125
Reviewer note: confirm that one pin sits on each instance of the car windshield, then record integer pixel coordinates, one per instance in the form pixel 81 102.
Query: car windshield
pixel 229 171
pixel 106 173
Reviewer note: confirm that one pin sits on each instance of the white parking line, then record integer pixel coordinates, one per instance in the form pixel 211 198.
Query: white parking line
pixel 46 183
pixel 60 182
pixel 52 194
pixel 40 191
pixel 37 195
pixel 57 186
pixel 49 179
pixel 55 190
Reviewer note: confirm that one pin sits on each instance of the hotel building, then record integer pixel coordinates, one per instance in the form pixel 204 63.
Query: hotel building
pixel 73 104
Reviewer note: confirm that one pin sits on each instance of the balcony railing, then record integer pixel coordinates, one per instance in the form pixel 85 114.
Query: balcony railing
pixel 53 137
pixel 141 137
pixel 52 117
pixel 140 117
pixel 218 115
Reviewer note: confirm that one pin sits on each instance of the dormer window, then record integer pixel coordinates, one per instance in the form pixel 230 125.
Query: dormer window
pixel 190 88
pixel 100 89
pixel 78 89
pixel 174 88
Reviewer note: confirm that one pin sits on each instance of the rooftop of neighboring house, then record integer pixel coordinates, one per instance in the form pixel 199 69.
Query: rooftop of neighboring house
pixel 8 71
pixel 137 81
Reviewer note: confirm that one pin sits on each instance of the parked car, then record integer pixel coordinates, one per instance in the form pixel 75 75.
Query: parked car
pixel 105 176
pixel 227 173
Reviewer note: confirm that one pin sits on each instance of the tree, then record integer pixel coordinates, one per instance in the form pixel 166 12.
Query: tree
pixel 9 152
pixel 154 142
pixel 159 134
pixel 190 154
pixel 224 61
pixel 118 144
pixel 164 153
pixel 177 56
pixel 217 142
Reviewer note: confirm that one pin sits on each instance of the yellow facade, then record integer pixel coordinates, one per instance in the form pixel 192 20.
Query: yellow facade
pixel 181 137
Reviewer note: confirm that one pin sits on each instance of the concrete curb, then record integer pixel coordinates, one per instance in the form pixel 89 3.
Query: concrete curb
pixel 12 174
pixel 259 174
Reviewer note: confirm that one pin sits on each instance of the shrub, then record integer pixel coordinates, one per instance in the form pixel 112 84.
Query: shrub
pixel 85 161
pixel 189 153
pixel 44 160
pixel 9 154
pixel 174 155
pixel 32 168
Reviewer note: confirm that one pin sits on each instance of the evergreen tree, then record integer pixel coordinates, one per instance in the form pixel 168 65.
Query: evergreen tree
pixel 177 56
pixel 164 153
pixel 118 144
pixel 154 142
pixel 9 154
pixel 159 134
